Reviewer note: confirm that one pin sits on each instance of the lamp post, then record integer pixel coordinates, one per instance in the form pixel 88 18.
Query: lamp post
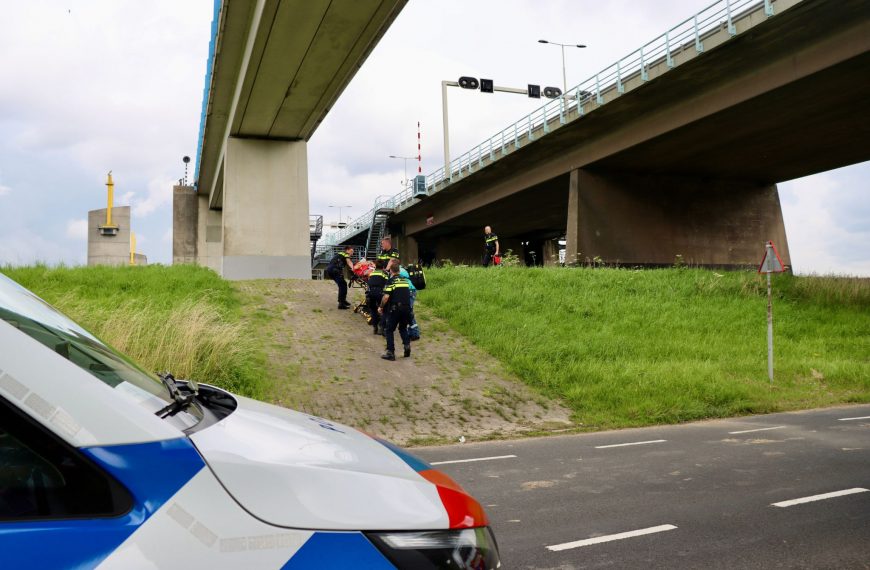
pixel 406 159
pixel 563 46
pixel 339 212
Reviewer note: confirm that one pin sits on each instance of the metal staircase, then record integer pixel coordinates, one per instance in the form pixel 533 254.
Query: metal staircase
pixel 315 230
pixel 377 230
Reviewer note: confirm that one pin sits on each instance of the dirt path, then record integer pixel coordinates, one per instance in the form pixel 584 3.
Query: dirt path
pixel 327 362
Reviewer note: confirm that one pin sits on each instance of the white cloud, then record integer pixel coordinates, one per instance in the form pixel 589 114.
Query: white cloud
pixel 167 236
pixel 77 229
pixel 818 240
pixel 157 195
pixel 4 189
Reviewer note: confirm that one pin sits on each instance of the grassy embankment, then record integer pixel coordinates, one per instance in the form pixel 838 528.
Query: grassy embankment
pixel 629 348
pixel 183 319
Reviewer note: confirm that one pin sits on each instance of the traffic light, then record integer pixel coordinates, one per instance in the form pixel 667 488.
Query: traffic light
pixel 552 92
pixel 486 85
pixel 534 91
pixel 468 82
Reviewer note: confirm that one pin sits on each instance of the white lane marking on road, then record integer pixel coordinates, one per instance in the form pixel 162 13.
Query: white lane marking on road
pixel 757 429
pixel 473 459
pixel 850 419
pixel 821 497
pixel 610 537
pixel 632 443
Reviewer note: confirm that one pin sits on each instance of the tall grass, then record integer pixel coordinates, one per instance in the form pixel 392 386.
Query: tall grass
pixel 624 347
pixel 182 319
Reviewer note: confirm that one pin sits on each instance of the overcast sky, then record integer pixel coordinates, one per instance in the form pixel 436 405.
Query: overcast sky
pixel 88 86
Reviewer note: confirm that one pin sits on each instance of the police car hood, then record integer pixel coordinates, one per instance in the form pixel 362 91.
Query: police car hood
pixel 291 469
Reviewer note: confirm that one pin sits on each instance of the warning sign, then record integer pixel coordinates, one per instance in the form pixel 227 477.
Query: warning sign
pixel 772 262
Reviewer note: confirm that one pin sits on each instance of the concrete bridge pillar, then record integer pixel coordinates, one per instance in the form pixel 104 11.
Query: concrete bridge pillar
pixel 209 244
pixel 634 219
pixel 408 249
pixel 265 210
pixel 184 224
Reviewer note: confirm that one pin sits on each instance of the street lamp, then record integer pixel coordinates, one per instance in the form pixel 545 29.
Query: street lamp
pixel 563 46
pixel 406 159
pixel 339 212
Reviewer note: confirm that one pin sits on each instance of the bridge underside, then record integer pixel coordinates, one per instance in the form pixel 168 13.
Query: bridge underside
pixel 685 165
pixel 278 68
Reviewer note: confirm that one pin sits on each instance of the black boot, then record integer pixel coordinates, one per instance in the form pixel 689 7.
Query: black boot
pixel 345 306
pixel 388 355
pixel 407 351
pixel 375 330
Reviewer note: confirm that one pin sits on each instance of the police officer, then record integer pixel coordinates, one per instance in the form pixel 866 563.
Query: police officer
pixel 388 253
pixel 490 246
pixel 335 270
pixel 377 281
pixel 396 308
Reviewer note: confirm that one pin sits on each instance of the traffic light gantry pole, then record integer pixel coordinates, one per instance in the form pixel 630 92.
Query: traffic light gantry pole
pixel 486 86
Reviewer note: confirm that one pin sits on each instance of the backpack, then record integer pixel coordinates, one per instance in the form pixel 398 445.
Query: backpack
pixel 415 274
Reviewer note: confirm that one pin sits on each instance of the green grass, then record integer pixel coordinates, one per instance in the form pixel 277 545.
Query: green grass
pixel 629 348
pixel 183 319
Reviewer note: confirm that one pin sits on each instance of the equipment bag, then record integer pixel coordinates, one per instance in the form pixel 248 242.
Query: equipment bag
pixel 496 260
pixel 418 279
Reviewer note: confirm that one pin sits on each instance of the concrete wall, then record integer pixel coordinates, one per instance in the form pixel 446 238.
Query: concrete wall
pixel 209 243
pixel 109 250
pixel 141 259
pixel 265 210
pixel 408 251
pixel 460 249
pixel 645 219
pixel 184 224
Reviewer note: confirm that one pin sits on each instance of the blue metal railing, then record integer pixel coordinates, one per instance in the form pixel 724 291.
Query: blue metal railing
pixel 674 47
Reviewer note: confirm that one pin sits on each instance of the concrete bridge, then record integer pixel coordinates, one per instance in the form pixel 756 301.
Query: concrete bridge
pixel 673 151
pixel 275 68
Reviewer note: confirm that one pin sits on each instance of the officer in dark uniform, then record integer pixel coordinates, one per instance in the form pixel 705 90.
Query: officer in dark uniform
pixel 388 253
pixel 335 270
pixel 490 246
pixel 377 281
pixel 396 308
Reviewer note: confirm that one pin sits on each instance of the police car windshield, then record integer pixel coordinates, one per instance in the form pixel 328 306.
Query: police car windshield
pixel 38 320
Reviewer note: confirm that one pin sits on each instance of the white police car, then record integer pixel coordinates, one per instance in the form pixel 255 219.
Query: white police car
pixel 104 465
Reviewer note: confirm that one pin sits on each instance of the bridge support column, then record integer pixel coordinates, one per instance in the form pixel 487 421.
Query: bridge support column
pixel 209 245
pixel 408 249
pixel 184 224
pixel 551 253
pixel 634 219
pixel 265 210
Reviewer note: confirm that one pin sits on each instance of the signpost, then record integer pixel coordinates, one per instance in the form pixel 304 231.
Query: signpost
pixel 771 263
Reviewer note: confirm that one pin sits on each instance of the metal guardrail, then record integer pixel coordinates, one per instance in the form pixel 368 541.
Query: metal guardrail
pixel 360 224
pixel 315 226
pixel 323 253
pixel 675 46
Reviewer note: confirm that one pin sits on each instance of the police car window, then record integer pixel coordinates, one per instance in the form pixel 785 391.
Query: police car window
pixel 44 478
pixel 35 318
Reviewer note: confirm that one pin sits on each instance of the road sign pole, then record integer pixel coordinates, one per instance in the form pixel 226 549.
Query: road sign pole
pixel 447 173
pixel 769 331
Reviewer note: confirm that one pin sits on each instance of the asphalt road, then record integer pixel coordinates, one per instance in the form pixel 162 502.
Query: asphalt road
pixel 703 494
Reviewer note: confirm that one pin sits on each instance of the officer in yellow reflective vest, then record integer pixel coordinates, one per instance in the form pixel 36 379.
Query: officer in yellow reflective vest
pixel 396 308
pixel 388 253
pixel 335 271
pixel 490 246
pixel 376 283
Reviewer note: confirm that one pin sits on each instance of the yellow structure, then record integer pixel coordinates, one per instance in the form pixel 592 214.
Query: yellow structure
pixel 132 247
pixel 109 228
